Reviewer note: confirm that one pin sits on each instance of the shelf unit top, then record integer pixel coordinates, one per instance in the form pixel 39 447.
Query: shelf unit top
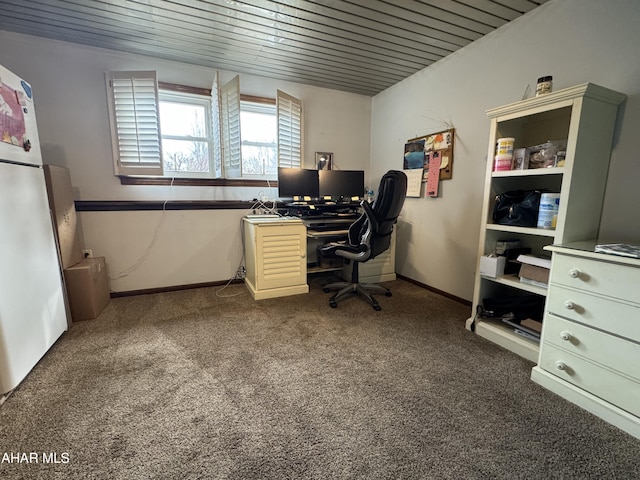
pixel 586 248
pixel 590 90
pixel 528 172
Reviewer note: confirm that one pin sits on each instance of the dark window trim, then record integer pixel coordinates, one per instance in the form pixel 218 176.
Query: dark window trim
pixel 254 99
pixel 196 182
pixel 126 205
pixel 206 92
pixel 174 87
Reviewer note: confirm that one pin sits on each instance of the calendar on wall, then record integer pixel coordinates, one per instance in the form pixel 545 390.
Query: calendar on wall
pixel 414 182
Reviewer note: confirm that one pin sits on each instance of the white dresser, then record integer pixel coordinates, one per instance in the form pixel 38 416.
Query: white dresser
pixel 590 346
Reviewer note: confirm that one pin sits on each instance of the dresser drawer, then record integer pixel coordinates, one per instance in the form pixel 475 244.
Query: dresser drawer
pixel 601 382
pixel 610 279
pixel 612 352
pixel 622 319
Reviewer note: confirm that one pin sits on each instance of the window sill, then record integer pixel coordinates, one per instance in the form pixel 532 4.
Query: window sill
pixel 196 182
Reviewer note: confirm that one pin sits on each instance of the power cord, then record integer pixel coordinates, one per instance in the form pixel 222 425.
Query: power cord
pixel 262 208
pixel 127 271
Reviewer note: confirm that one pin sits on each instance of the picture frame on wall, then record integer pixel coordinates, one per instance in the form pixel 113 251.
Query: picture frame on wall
pixel 324 160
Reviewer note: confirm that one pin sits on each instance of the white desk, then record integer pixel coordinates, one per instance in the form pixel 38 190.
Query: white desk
pixel 281 251
pixel 380 269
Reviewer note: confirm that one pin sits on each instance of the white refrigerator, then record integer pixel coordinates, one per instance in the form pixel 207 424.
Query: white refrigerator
pixel 32 307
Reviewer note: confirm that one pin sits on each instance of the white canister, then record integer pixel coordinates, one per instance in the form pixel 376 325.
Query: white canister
pixel 504 146
pixel 548 211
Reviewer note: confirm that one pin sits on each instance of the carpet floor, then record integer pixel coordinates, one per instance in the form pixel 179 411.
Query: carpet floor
pixel 207 383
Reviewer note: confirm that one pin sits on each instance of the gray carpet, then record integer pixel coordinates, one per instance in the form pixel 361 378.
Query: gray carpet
pixel 192 385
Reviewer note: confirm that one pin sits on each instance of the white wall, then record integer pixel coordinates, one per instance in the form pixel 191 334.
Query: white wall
pixel 151 249
pixel 190 247
pixel 573 40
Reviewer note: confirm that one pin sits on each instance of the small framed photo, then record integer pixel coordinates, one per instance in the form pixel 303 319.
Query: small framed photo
pixel 324 160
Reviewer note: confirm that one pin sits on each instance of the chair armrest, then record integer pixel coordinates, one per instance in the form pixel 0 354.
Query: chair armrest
pixel 368 211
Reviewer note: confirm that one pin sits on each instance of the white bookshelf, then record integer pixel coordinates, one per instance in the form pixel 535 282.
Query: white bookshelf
pixel 585 117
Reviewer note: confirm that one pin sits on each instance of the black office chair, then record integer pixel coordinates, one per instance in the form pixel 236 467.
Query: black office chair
pixel 369 236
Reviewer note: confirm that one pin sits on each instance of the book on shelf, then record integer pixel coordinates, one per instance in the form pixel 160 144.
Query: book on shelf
pixel 532 324
pixel 622 249
pixel 537 283
pixel 527 335
pixel 523 328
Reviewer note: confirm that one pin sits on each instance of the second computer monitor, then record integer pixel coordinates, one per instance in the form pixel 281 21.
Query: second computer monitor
pixel 341 185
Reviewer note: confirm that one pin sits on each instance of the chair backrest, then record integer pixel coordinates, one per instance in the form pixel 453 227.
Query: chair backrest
pixel 373 230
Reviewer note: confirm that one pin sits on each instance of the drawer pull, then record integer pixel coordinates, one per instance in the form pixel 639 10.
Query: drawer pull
pixel 569 305
pixel 566 336
pixel 574 273
pixel 560 365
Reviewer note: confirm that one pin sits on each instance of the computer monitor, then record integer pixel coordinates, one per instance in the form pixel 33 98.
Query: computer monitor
pixel 341 185
pixel 297 182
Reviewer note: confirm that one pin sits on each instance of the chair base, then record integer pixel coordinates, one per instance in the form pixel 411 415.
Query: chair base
pixel 363 289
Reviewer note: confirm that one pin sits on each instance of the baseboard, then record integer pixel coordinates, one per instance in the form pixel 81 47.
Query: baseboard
pixel 173 288
pixel 436 290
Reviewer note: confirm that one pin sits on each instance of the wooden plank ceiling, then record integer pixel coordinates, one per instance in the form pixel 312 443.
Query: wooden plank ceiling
pixel 359 46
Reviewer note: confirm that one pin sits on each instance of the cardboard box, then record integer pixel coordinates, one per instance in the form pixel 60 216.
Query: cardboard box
pixel 87 288
pixel 534 273
pixel 492 266
pixel 63 207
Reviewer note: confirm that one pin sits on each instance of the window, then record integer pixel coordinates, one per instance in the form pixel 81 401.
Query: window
pixel 198 133
pixel 259 131
pixel 185 121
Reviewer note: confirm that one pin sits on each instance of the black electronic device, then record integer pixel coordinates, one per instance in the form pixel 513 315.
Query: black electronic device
pixel 298 183
pixel 341 185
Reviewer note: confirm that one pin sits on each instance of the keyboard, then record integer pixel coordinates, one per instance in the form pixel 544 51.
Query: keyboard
pixel 328 226
pixel 327 233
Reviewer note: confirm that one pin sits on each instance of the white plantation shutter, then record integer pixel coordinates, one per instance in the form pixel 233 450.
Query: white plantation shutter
pixel 215 126
pixel 230 119
pixel 289 111
pixel 135 127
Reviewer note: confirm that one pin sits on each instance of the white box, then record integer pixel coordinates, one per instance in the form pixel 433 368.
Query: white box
pixel 492 266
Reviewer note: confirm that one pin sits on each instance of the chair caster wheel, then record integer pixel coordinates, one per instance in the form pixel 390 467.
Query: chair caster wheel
pixel 326 290
pixel 388 294
pixel 377 308
pixel 333 304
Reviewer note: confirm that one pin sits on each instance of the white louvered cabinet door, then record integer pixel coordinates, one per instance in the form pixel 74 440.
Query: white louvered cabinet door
pixel 276 257
pixel 283 251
